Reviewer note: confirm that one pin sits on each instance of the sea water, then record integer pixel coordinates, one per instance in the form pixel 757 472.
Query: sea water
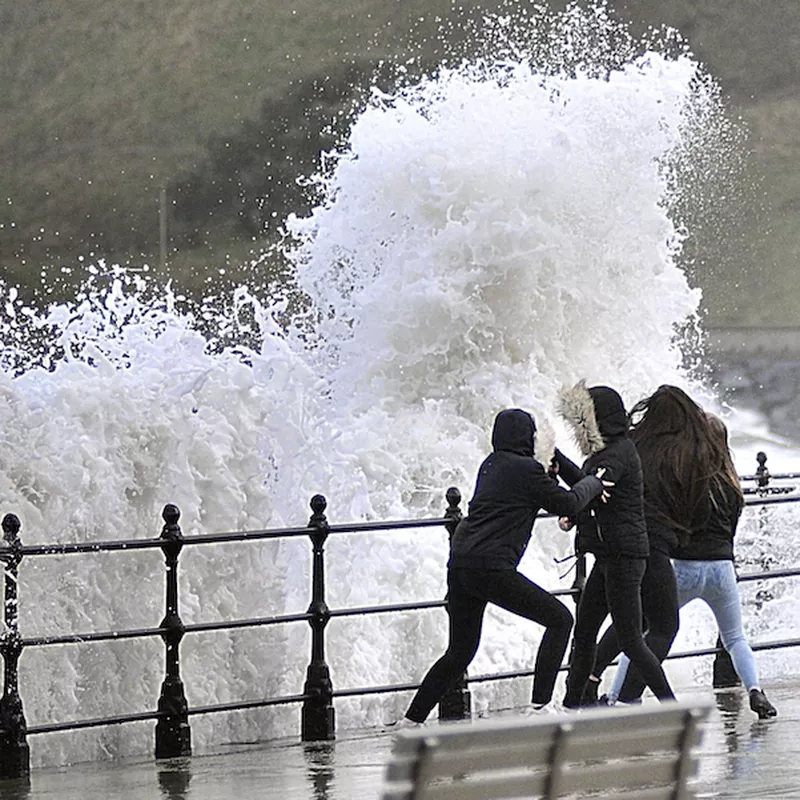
pixel 485 235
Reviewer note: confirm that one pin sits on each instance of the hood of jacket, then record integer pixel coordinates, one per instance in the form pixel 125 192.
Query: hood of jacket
pixel 596 415
pixel 514 430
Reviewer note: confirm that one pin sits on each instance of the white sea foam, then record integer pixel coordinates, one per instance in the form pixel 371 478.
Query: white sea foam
pixel 485 236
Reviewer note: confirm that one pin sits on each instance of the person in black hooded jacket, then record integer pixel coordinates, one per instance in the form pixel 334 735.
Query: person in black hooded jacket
pixel 615 533
pixel 486 548
pixel 669 430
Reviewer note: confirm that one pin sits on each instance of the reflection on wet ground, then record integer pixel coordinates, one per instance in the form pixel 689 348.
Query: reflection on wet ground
pixel 742 758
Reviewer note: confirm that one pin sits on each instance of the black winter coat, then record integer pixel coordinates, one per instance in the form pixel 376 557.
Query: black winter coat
pixel 510 490
pixel 661 536
pixel 713 527
pixel 615 528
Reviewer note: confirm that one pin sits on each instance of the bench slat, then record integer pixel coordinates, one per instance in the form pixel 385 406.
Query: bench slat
pixel 631 775
pixel 594 724
pixel 597 750
pixel 474 760
pixel 637 774
pixel 535 747
pixel 654 793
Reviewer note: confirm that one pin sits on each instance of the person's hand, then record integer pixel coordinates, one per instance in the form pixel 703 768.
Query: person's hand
pixel 605 495
pixel 566 524
pixel 552 470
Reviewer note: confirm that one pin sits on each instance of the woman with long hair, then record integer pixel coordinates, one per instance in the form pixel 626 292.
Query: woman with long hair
pixel 704 569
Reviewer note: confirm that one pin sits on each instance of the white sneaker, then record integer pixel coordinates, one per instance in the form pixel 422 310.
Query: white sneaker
pixel 540 711
pixel 405 724
pixel 606 700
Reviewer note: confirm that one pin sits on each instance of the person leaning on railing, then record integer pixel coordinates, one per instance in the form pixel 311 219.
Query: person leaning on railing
pixel 512 486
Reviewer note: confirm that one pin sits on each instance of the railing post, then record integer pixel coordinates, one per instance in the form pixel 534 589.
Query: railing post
pixel 723 672
pixel 762 473
pixel 173 734
pixel 14 749
pixel 457 702
pixel 724 675
pixel 318 718
pixel 578 585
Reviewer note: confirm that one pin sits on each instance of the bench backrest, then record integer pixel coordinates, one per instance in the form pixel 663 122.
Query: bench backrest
pixel 646 752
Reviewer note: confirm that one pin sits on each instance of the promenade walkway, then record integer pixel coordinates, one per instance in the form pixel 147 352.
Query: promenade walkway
pixel 742 759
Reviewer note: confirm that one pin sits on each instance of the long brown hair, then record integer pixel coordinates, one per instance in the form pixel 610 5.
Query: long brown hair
pixel 679 455
pixel 724 474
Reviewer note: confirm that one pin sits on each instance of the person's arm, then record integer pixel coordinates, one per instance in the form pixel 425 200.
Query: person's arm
pixel 609 465
pixel 567 502
pixel 568 470
pixel 737 503
pixel 575 476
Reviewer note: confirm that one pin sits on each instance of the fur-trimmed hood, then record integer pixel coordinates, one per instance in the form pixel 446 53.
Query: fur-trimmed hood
pixel 596 415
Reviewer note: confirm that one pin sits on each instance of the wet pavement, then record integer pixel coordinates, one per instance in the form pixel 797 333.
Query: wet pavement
pixel 742 758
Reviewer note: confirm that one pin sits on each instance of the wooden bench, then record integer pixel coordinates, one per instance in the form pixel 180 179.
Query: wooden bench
pixel 645 752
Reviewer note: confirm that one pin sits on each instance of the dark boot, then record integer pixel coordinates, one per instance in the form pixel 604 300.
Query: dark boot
pixel 589 696
pixel 762 706
pixel 572 698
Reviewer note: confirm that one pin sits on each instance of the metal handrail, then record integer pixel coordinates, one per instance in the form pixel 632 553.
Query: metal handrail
pixel 173 711
pixel 138 544
pixel 72 548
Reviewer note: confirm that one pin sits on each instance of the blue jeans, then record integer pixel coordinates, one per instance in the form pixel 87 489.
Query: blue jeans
pixel 713 582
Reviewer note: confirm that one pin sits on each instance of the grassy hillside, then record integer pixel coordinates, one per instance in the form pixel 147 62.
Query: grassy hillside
pixel 102 104
pixel 753 49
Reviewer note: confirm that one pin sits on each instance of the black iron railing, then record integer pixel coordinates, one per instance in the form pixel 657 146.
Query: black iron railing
pixel 172 714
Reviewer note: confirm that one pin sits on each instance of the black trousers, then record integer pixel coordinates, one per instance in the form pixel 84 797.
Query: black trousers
pixel 660 609
pixel 613 587
pixel 469 591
